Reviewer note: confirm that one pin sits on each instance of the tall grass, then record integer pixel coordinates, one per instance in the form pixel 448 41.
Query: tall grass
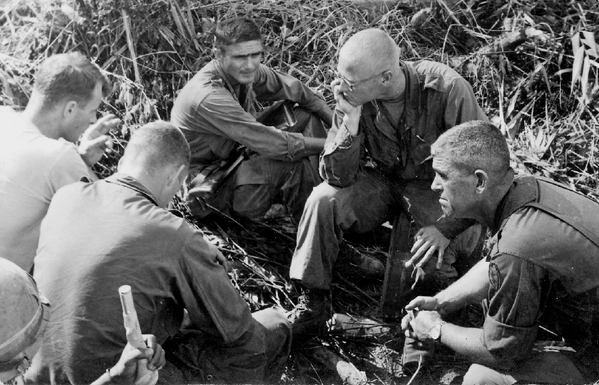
pixel 542 90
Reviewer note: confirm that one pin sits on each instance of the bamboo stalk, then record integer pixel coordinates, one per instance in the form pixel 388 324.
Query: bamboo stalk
pixel 130 44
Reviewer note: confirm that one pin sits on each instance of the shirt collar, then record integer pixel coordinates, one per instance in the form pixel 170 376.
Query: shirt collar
pixel 524 190
pixel 131 183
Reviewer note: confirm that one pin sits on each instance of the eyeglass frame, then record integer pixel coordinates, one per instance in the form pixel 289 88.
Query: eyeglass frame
pixel 352 86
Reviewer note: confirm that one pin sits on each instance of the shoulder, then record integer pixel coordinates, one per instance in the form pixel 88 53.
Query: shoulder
pixel 431 68
pixel 67 156
pixel 265 71
pixel 530 232
pixel 171 228
pixel 8 115
pixel 27 142
pixel 436 75
pixel 202 85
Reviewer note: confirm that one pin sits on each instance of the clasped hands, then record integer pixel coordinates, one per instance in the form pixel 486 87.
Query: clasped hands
pixel 421 318
pixel 127 369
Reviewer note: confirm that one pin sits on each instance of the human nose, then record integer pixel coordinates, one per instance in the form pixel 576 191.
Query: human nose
pixel 252 62
pixel 436 185
pixel 344 86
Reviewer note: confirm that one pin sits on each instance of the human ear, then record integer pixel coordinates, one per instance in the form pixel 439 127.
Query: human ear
pixel 69 108
pixel 218 53
pixel 387 76
pixel 482 180
pixel 175 179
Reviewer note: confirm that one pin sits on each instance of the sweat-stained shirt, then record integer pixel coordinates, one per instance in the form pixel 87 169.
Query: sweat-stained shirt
pixel 395 136
pixel 544 270
pixel 32 168
pixel 99 236
pixel 216 116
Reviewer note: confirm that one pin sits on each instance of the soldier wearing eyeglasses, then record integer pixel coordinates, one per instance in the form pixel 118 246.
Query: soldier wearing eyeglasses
pixel 376 164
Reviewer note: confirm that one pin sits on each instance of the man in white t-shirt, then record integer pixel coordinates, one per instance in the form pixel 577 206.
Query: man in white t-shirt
pixel 38 147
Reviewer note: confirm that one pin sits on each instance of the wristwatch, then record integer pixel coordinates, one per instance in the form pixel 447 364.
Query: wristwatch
pixel 435 333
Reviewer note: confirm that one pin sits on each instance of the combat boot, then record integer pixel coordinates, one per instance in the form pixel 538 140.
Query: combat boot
pixel 310 316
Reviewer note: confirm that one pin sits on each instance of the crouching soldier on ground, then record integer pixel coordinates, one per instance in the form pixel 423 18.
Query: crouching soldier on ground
pixel 375 165
pixel 270 156
pixel 99 236
pixel 542 270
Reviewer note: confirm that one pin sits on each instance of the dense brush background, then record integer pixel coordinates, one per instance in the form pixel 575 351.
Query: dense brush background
pixel 533 64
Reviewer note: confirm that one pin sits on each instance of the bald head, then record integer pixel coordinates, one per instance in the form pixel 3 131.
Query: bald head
pixel 369 52
pixel 156 146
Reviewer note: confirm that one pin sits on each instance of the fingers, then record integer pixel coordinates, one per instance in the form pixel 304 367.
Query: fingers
pixel 440 258
pixel 337 91
pixel 102 142
pixel 419 241
pixel 154 353
pixel 409 331
pixel 425 248
pixel 102 126
pixel 157 360
pixel 418 303
pixel 419 246
pixel 405 322
pixel 415 257
pixel 429 253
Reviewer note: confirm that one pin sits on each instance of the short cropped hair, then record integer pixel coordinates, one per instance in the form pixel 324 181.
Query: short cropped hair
pixel 237 30
pixel 474 145
pixel 69 76
pixel 157 145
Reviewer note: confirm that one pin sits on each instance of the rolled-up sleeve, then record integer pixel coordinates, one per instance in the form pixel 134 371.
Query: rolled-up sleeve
pixel 271 85
pixel 515 293
pixel 340 160
pixel 213 303
pixel 225 117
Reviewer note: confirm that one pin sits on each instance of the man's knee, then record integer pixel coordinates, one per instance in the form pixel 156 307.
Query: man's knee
pixel 275 322
pixel 321 196
pixel 482 375
pixel 252 200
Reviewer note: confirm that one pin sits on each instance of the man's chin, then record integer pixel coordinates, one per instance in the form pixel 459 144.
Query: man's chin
pixel 246 79
pixel 447 213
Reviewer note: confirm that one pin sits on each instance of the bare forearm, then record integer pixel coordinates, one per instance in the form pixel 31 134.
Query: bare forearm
pixel 467 342
pixel 471 288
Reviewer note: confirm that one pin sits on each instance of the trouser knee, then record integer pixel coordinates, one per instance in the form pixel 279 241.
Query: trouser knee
pixel 321 197
pixel 482 375
pixel 252 201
